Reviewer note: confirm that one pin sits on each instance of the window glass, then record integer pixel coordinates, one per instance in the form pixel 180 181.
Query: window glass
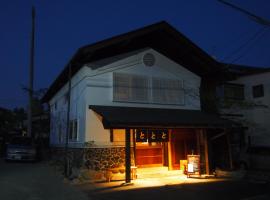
pixel 138 88
pixel 167 91
pixel 73 129
pixel 121 87
pixel 234 91
pixel 258 91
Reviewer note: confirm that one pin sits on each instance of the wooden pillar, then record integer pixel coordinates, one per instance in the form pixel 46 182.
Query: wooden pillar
pixel 170 165
pixel 229 150
pixel 134 146
pixel 205 141
pixel 127 157
pixel 198 141
pixel 210 155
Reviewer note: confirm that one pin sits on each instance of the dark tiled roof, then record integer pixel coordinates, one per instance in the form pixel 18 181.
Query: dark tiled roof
pixel 243 70
pixel 123 117
pixel 161 37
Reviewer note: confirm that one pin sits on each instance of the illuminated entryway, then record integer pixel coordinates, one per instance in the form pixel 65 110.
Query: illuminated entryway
pixel 150 154
pixel 186 131
pixel 151 147
pixel 163 157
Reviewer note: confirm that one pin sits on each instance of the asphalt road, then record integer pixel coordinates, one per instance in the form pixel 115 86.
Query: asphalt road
pixel 223 190
pixel 38 181
pixel 34 181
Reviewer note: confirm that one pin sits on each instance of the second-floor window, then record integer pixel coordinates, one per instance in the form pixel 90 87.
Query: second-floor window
pixel 131 88
pixel 167 91
pixel 234 91
pixel 258 91
pixel 144 89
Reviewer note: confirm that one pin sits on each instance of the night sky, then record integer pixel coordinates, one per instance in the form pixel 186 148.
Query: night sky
pixel 62 26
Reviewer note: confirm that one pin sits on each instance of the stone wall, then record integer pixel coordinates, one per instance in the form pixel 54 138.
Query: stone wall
pixel 100 159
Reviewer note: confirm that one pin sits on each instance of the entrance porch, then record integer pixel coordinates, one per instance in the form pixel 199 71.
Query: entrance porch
pixel 186 134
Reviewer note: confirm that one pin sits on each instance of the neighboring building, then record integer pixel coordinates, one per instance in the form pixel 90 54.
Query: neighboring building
pixel 140 89
pixel 247 100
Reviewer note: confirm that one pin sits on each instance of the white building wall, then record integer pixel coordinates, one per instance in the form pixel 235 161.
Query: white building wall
pixel 95 87
pixel 257 117
pixel 77 111
pixel 100 90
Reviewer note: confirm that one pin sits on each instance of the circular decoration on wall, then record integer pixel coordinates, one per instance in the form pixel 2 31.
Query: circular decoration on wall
pixel 149 59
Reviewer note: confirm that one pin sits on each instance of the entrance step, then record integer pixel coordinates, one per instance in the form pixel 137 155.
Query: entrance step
pixel 156 172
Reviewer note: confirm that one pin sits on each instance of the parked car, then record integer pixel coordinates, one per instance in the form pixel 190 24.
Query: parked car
pixel 256 157
pixel 21 148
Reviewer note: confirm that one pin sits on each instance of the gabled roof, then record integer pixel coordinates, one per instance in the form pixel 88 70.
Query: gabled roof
pixel 161 37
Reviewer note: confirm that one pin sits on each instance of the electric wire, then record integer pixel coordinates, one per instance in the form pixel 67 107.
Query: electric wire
pixel 245 52
pixel 257 34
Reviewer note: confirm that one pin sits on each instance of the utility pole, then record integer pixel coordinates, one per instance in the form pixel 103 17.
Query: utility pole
pixel 256 18
pixel 31 75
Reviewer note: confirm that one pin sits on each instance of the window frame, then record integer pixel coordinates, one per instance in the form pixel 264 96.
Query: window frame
pixel 73 130
pixel 149 95
pixel 258 91
pixel 234 97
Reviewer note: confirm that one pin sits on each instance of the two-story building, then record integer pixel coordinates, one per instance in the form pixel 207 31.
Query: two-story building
pixel 137 98
pixel 246 99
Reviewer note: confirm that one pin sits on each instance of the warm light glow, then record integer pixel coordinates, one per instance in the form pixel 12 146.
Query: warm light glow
pixel 190 168
pixel 155 182
pixel 162 178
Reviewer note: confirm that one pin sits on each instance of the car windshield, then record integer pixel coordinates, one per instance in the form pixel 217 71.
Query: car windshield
pixel 21 141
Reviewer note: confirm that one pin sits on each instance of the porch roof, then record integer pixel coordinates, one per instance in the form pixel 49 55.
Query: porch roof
pixel 134 117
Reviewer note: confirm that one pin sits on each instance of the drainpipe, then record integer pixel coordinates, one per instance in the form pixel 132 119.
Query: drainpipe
pixel 68 124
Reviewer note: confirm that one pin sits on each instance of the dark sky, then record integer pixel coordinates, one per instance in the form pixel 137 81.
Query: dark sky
pixel 62 26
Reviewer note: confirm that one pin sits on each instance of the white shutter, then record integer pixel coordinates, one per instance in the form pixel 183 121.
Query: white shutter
pixel 167 91
pixel 121 87
pixel 139 89
pixel 136 88
pixel 130 88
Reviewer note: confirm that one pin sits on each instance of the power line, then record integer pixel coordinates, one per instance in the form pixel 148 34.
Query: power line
pixel 254 37
pixel 256 18
pixel 259 20
pixel 227 42
pixel 244 53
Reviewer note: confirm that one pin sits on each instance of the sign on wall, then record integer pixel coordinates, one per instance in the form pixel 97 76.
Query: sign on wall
pixel 152 135
pixel 193 162
pixel 141 135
